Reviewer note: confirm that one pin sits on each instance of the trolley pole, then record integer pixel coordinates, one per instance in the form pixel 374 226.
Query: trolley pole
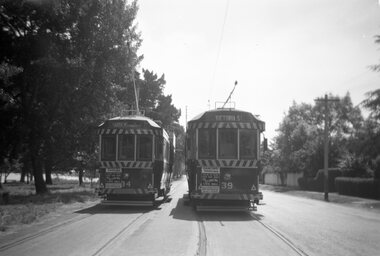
pixel 326 100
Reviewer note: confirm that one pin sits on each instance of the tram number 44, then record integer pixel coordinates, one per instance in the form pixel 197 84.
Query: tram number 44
pixel 226 185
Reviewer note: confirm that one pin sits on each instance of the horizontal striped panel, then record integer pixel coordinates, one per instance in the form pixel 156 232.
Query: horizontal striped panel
pixel 129 131
pixel 233 125
pixel 219 125
pixel 126 191
pixel 218 196
pixel 126 164
pixel 228 163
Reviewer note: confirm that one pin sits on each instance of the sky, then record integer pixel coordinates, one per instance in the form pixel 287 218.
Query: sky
pixel 279 52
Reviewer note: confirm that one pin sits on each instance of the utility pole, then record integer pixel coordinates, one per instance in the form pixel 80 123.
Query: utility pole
pixel 326 101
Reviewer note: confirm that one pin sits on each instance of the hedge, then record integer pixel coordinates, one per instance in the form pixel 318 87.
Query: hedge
pixel 317 183
pixel 360 187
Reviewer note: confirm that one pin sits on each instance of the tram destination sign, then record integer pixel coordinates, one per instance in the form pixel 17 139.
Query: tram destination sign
pixel 124 125
pixel 228 117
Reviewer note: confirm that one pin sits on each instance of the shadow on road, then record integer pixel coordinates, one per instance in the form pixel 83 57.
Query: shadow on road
pixel 184 211
pixel 118 209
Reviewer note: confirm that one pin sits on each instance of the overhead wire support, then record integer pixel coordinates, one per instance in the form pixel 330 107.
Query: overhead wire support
pixel 326 101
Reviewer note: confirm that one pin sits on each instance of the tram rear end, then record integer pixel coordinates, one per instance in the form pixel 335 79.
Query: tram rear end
pixel 223 160
pixel 134 161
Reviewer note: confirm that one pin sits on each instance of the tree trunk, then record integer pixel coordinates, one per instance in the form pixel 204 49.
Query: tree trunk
pixel 23 174
pixel 48 170
pixel 80 175
pixel 25 169
pixel 39 182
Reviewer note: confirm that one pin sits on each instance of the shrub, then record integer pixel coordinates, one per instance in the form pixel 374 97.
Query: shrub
pixel 317 183
pixel 377 168
pixel 360 187
pixel 302 183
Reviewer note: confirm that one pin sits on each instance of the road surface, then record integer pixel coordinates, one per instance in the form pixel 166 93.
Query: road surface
pixel 282 225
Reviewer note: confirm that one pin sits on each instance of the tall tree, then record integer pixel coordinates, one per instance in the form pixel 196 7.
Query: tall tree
pixel 69 56
pixel 299 144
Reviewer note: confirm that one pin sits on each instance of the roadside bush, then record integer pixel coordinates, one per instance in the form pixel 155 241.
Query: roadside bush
pixel 302 183
pixel 377 168
pixel 360 187
pixel 317 183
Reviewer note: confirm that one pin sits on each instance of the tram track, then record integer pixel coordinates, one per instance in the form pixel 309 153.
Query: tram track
pixel 139 221
pixel 282 237
pixel 202 239
pixel 124 230
pixel 43 232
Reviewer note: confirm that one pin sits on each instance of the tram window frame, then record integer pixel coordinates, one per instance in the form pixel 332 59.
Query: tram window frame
pixel 166 150
pixel 221 149
pixel 207 150
pixel 107 145
pixel 128 147
pixel 139 156
pixel 159 147
pixel 243 143
pixel 191 144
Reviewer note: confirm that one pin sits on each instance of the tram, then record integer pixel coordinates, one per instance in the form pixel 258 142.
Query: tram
pixel 136 159
pixel 223 160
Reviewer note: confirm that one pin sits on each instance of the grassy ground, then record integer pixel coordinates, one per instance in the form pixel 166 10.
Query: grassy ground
pixel 26 207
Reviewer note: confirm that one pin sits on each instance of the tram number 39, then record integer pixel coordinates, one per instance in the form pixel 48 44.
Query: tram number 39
pixel 226 185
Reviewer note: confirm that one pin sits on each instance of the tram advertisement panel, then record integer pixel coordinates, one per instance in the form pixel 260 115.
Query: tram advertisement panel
pixel 210 180
pixel 113 178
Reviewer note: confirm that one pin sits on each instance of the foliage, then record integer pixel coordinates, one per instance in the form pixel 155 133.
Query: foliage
pixel 317 183
pixel 361 187
pixel 299 144
pixel 65 66
pixel 373 103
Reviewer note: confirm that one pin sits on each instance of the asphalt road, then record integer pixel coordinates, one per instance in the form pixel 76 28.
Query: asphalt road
pixel 282 225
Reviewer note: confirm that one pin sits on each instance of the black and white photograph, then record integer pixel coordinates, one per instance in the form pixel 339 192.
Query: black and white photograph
pixel 189 127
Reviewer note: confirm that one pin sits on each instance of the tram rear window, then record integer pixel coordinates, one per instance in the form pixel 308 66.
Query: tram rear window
pixel 144 147
pixel 248 144
pixel 207 143
pixel 108 148
pixel 126 147
pixel 227 143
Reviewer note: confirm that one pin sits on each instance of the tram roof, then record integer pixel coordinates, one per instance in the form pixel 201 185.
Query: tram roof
pixel 137 118
pixel 223 111
pixel 226 118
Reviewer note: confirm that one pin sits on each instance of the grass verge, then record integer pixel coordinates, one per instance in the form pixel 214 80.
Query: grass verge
pixel 25 207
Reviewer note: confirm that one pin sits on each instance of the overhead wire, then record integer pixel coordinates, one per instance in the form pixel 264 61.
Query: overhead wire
pixel 219 49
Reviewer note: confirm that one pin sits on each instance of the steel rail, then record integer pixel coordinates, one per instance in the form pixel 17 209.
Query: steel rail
pixel 286 240
pixel 42 232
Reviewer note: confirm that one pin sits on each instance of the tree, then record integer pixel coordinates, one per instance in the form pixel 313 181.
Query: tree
pixel 67 57
pixel 299 144
pixel 373 103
